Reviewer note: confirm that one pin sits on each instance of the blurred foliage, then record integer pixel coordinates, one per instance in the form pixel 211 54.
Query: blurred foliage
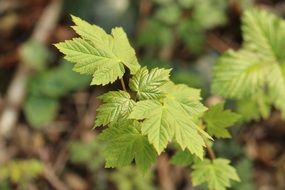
pixel 20 172
pixel 244 169
pixel 244 4
pixel 256 71
pixel 129 178
pixel 87 153
pixel 255 109
pixel 44 90
pixel 35 54
pixel 4 185
pixel 185 20
pixel 183 158
pixel 106 13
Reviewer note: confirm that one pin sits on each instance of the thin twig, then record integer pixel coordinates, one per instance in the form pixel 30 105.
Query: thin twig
pixel 123 84
pixel 209 149
pixel 219 44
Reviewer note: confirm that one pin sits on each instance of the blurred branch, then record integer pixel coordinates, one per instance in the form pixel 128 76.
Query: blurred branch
pixel 17 90
pixel 209 149
pixel 50 176
pixel 1 103
pixel 164 173
pixel 219 44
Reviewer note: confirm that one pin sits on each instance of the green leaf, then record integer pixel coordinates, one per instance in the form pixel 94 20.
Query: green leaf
pixel 255 108
pixel 183 158
pixel 98 53
pixel 239 74
pixel 147 83
pixel 125 143
pixel 217 173
pixel 40 111
pixel 276 84
pixel 116 105
pixel 218 120
pixel 188 98
pixel 173 118
pixel 258 66
pixel 264 33
pixel 156 124
pixel 82 152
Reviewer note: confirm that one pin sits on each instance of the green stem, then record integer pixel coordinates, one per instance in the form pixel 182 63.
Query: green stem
pixel 209 149
pixel 123 84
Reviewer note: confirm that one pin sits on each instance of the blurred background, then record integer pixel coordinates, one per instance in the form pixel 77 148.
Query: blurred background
pixel 47 111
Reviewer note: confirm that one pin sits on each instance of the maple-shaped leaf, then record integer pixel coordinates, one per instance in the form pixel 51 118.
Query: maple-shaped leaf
pixel 217 173
pixel 218 120
pixel 239 74
pixel 147 83
pixel 125 143
pixel 264 33
pixel 172 118
pixel 116 105
pixel 188 98
pixel 259 65
pixel 98 53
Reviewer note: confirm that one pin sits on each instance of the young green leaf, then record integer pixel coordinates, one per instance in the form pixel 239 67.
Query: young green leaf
pixel 216 173
pixel 258 66
pixel 147 83
pixel 218 120
pixel 98 53
pixel 174 118
pixel 264 33
pixel 255 107
pixel 116 105
pixel 125 143
pixel 189 99
pixel 239 74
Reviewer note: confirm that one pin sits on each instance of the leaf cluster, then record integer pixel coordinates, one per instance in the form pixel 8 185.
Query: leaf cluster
pixel 153 112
